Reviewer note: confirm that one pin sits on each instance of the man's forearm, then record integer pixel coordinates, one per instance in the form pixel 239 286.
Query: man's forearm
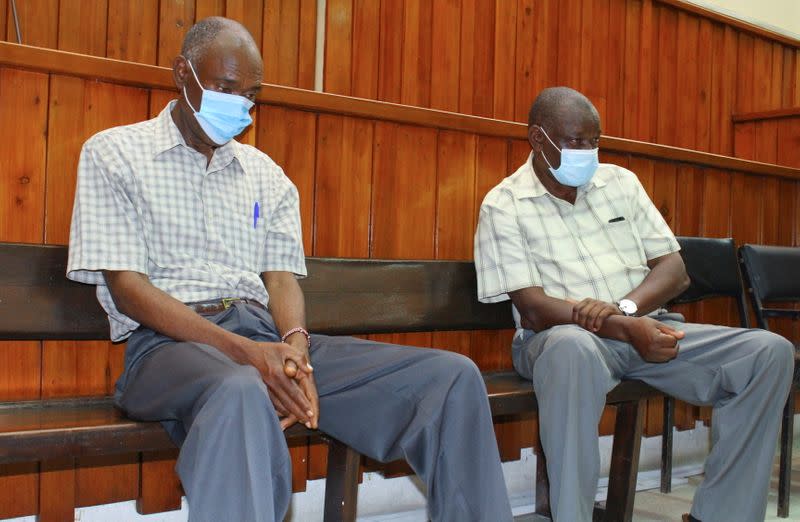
pixel 540 312
pixel 287 306
pixel 666 280
pixel 135 296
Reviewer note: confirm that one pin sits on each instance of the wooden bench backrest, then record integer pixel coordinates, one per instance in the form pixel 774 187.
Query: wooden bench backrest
pixel 349 296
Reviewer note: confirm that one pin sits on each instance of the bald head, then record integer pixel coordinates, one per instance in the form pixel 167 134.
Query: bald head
pixel 216 31
pixel 555 104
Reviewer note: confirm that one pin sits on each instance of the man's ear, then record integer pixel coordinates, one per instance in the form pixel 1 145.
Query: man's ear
pixel 180 71
pixel 535 138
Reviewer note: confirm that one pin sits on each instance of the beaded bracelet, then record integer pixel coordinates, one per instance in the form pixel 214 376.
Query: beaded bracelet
pixel 295 330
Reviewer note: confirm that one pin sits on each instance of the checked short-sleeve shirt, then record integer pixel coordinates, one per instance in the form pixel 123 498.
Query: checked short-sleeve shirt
pixel 148 203
pixel 598 247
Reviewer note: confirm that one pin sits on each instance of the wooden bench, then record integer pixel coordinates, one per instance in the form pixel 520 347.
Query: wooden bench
pixel 342 297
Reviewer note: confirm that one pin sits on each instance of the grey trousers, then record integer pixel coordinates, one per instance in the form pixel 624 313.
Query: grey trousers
pixel 388 402
pixel 744 374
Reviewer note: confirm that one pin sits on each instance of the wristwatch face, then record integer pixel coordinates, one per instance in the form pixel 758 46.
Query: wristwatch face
pixel 628 307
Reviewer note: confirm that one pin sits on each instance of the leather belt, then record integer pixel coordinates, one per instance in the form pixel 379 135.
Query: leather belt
pixel 220 305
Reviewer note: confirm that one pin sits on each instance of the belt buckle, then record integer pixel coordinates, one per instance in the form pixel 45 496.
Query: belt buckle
pixel 227 302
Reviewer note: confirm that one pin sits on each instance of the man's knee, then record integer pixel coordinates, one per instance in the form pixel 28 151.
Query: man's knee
pixel 243 382
pixel 777 350
pixel 569 347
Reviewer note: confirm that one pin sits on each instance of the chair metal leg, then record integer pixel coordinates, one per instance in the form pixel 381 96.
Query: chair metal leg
pixel 624 461
pixel 785 470
pixel 542 484
pixel 341 485
pixel 666 444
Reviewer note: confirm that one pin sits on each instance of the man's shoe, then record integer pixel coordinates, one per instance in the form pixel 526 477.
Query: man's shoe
pixel 689 518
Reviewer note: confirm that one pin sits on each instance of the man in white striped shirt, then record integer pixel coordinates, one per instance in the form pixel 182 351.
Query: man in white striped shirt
pixel 588 263
pixel 194 243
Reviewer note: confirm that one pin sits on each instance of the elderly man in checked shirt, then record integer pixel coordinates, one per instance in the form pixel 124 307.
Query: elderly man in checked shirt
pixel 588 263
pixel 194 243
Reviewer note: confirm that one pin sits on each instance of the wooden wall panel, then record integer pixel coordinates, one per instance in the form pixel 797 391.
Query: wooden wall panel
pixel 615 67
pixel 175 17
pixel 477 57
pixel 455 196
pixel 415 81
pixel 482 57
pixel 597 59
pixel 685 76
pixel 404 192
pixel 788 142
pixel 82 26
pixel 339 47
pixel 505 31
pixel 38 23
pixel 250 13
pixel 133 31
pixel 668 72
pixel 4 9
pixel 206 8
pixel 342 202
pixel 366 28
pixel 288 137
pixel 445 60
pixel 543 69
pixel 23 125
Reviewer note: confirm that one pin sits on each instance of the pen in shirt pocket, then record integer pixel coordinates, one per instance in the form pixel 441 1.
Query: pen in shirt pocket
pixel 616 219
pixel 255 215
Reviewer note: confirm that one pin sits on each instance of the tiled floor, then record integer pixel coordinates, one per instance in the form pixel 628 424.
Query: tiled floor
pixel 654 506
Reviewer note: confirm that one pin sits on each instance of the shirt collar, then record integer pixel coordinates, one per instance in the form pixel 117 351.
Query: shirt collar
pixel 527 184
pixel 167 137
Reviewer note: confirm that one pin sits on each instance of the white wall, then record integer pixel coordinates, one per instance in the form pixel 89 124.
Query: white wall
pixel 778 15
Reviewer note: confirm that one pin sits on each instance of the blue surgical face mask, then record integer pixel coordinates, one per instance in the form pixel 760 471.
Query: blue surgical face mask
pixel 577 165
pixel 221 116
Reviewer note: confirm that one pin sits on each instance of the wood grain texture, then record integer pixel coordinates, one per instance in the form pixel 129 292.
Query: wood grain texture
pixel 249 13
pixel 667 126
pixel 445 59
pixel 339 47
pixel 206 8
pixel 505 47
pixel 133 31
pixel 342 202
pixel 289 138
pixel 404 192
pixel 415 81
pixel 175 17
pixel 4 9
pixel 390 50
pixel 456 214
pixel 38 22
pixel 82 26
pixel 23 125
pixel 366 44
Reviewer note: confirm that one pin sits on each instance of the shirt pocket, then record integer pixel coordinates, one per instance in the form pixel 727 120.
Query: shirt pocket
pixel 243 237
pixel 624 241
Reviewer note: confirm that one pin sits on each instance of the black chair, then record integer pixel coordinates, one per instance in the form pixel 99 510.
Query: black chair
pixel 714 272
pixel 773 274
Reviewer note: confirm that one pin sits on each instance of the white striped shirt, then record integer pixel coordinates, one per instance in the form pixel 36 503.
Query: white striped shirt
pixel 598 247
pixel 148 203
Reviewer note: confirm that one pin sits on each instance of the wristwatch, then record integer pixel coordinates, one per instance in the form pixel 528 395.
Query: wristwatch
pixel 627 307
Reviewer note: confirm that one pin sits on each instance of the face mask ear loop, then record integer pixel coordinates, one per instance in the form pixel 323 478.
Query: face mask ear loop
pixel 185 94
pixel 554 145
